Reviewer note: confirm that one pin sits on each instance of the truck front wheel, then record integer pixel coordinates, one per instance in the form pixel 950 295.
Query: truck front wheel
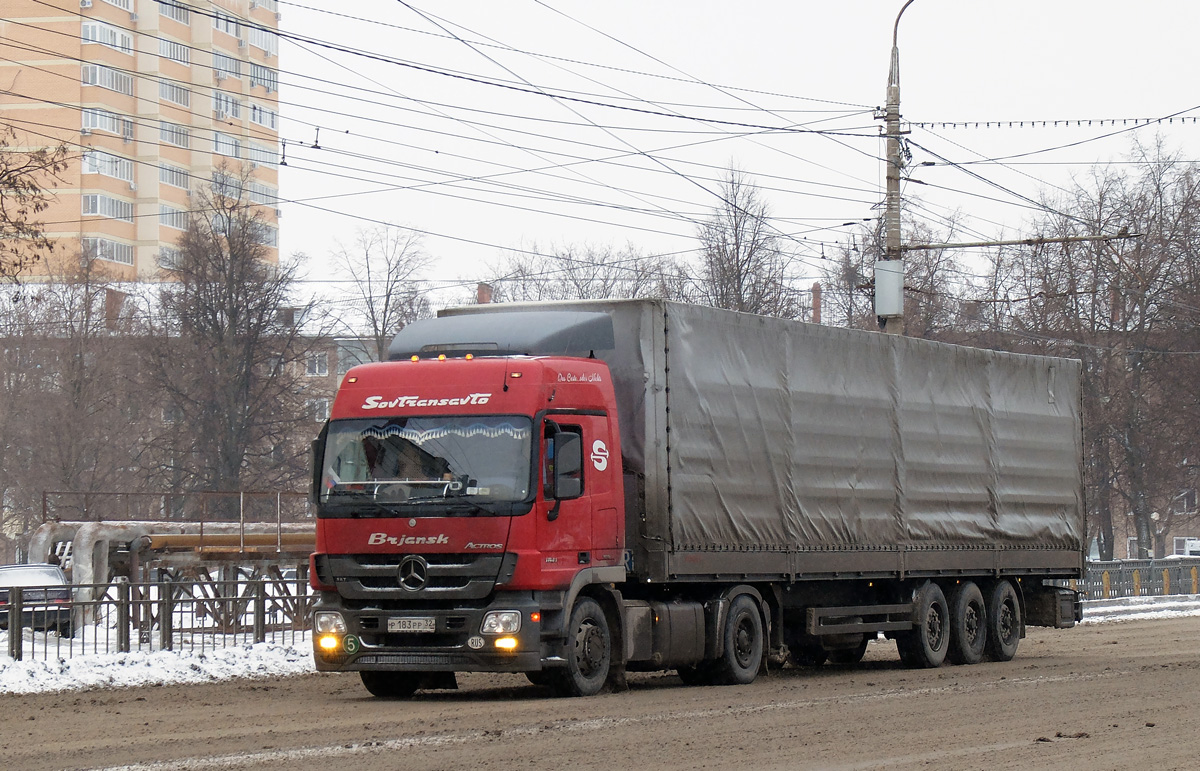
pixel 743 653
pixel 391 685
pixel 589 651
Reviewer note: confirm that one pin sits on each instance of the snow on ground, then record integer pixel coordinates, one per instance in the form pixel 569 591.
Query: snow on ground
pixel 115 670
pixel 271 660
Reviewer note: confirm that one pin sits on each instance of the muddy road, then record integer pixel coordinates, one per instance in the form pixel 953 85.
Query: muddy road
pixel 1110 696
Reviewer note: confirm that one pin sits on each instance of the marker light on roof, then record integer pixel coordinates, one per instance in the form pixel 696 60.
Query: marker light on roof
pixel 514 375
pixel 470 356
pixel 441 357
pixel 351 380
pixel 415 357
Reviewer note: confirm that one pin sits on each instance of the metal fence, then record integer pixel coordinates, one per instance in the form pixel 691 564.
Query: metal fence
pixel 125 617
pixel 1141 578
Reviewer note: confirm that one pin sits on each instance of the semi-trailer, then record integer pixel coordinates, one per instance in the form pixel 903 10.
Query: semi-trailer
pixel 577 490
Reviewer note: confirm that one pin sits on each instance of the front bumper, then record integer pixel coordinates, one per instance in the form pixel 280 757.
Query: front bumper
pixel 455 645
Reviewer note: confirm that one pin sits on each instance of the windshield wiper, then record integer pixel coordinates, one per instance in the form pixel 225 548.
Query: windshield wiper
pixel 363 496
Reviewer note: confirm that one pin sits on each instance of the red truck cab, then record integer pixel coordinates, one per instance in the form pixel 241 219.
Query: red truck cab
pixel 460 503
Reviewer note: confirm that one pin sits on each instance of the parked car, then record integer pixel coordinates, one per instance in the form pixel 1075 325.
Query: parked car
pixel 45 597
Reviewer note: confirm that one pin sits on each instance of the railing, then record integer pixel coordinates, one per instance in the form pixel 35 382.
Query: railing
pixel 239 506
pixel 171 615
pixel 1141 578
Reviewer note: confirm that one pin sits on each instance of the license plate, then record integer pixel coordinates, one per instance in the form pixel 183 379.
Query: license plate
pixel 412 625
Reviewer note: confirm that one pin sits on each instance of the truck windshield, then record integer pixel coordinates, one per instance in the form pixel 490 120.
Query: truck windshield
pixel 429 459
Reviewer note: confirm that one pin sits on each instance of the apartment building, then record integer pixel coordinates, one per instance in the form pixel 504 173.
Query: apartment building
pixel 156 98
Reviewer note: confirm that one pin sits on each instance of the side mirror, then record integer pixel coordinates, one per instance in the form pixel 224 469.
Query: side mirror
pixel 568 462
pixel 316 456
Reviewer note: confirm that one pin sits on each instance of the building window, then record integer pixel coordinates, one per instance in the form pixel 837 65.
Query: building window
pixel 107 77
pixel 124 5
pixel 176 52
pixel 226 66
pixel 265 77
pixel 172 217
pixel 174 11
pixel 265 39
pixel 226 23
pixel 319 409
pixel 168 258
pixel 263 116
pixel 174 134
pixel 105 206
pixel 106 35
pixel 263 194
pixel 171 92
pixel 107 249
pixel 226 105
pixel 317 365
pixel 268 236
pixel 95 119
pixel 100 162
pixel 265 156
pixel 174 176
pixel 223 144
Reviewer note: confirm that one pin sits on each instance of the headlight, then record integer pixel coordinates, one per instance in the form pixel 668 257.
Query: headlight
pixel 501 622
pixel 329 623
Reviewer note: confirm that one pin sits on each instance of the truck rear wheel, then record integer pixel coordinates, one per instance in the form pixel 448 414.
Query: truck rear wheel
pixel 851 655
pixel 925 645
pixel 743 653
pixel 968 624
pixel 588 652
pixel 391 685
pixel 1003 622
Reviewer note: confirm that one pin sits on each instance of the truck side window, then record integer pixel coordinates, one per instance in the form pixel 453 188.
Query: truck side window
pixel 548 469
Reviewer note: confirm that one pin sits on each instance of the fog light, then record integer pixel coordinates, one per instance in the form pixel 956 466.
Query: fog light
pixel 506 643
pixel 329 642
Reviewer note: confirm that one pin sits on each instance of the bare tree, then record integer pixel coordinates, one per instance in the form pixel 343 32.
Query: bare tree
pixel 25 178
pixel 384 264
pixel 71 417
pixel 583 273
pixel 743 265
pixel 1128 311
pixel 226 366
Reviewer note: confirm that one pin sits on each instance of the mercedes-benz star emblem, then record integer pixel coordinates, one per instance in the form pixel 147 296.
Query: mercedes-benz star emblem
pixel 414 572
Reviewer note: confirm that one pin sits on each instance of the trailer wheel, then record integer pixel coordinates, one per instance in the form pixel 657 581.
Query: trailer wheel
pixel 968 625
pixel 743 653
pixel 391 685
pixel 925 645
pixel 1003 622
pixel 588 653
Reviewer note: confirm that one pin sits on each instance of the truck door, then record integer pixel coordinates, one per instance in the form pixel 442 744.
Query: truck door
pixel 579 532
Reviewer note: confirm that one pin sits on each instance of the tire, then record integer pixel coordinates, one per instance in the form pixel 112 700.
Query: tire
pixel 743 644
pixel 588 651
pixel 1003 622
pixel 968 625
pixel 926 644
pixel 391 685
pixel 853 655
pixel 542 677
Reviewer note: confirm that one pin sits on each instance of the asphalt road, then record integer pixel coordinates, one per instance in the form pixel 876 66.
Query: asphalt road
pixel 1111 696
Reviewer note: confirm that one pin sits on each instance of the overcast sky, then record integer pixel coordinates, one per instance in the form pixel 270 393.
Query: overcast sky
pixel 536 124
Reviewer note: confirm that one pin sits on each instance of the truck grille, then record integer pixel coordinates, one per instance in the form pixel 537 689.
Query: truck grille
pixel 448 576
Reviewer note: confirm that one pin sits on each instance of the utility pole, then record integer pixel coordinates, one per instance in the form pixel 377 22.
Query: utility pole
pixel 889 273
